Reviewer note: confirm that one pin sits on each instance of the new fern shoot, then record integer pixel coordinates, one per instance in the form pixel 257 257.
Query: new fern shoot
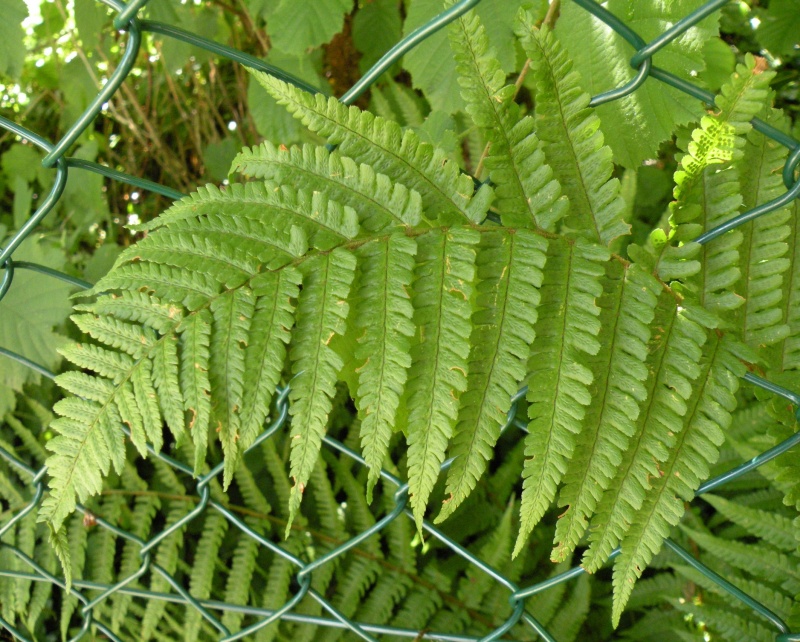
pixel 377 262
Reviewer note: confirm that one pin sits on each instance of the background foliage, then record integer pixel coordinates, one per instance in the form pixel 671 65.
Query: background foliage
pixel 179 120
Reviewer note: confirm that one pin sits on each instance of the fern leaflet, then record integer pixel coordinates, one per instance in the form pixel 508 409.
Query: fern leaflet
pixel 383 145
pixel 527 194
pixel 509 273
pixel 439 353
pixel 559 379
pixel 573 143
pixel 321 309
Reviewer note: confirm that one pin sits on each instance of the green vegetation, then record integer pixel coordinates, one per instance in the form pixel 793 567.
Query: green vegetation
pixel 470 227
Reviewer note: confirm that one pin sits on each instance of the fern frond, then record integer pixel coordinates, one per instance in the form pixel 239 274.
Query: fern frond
pixel 265 353
pixel 232 315
pixel 730 625
pixel 788 351
pixel 573 143
pixel 439 353
pixel 691 452
pixel 388 149
pixel 195 337
pixel 325 222
pixel 743 97
pixel 778 602
pixel 494 552
pixel 674 354
pixel 761 561
pixel 203 569
pixel 770 526
pixel 383 317
pixel 509 274
pixel 620 372
pixel 567 623
pixel 545 605
pixel 168 552
pixel 321 312
pixel 83 453
pixel 76 538
pixel 142 516
pixel 707 188
pixel 763 250
pixel 240 579
pixel 379 202
pixel 527 194
pixel 558 375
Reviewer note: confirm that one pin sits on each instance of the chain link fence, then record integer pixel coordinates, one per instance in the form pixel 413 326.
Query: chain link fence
pixel 57 159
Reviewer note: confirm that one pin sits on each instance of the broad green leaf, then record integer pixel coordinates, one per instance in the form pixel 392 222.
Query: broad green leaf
pixel 12 47
pixel 296 27
pixel 648 116
pixel 377 27
pixel 779 30
pixel 90 19
pixel 34 305
pixel 431 63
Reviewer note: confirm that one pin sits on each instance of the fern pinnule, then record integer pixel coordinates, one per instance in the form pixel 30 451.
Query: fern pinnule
pixel 559 378
pixel 620 373
pixel 743 97
pixel 379 202
pixel 322 309
pixel 443 285
pixel 389 150
pixel 573 142
pixel 509 275
pixel 526 193
pixel 383 323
